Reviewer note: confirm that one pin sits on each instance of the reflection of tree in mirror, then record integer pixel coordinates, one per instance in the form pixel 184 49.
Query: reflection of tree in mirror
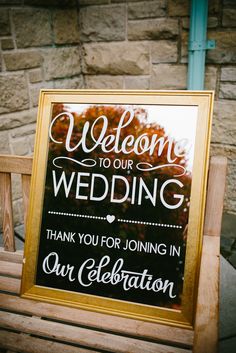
pixel 142 208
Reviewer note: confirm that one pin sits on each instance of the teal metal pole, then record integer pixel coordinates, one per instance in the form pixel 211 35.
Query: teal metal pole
pixel 198 44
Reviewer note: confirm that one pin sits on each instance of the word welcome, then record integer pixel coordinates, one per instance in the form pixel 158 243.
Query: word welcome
pixel 114 143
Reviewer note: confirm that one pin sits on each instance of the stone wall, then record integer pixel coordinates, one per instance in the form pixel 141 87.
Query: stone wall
pixel 109 44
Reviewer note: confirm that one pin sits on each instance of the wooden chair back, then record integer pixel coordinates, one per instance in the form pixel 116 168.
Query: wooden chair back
pixel 77 331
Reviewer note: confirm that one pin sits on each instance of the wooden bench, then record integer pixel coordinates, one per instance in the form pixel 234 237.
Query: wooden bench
pixel 31 326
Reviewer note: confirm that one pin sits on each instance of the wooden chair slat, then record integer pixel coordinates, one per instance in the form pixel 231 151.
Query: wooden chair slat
pixel 77 335
pixel 25 193
pixel 7 214
pixel 207 313
pixel 16 164
pixel 29 344
pixel 110 323
pixel 215 196
pixel 11 285
pixel 16 256
pixel 10 269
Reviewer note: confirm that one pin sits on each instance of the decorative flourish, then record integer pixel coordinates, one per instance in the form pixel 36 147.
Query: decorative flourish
pixel 88 162
pixel 144 166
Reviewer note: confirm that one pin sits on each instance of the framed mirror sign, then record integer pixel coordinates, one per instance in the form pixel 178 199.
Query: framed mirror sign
pixel 117 202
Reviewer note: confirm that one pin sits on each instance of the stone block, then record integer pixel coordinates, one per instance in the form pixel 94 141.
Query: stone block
pixel 5 28
pixel 22 60
pixel 159 28
pixel 229 18
pixel 228 73
pixel 184 47
pixel 93 2
pixel 4 143
pixel 229 152
pixel 65 26
pixel 71 83
pixel 178 8
pixel 17 119
pixel 52 3
pixel 214 7
pixel 211 77
pixel 103 82
pixel 98 23
pixel 61 62
pixel 224 127
pixel 16 186
pixel 212 22
pixel 35 75
pixel 166 76
pixel 13 93
pixel 20 146
pixel 164 51
pixel 35 90
pixel 31 140
pixel 18 215
pixel 22 131
pixel 117 58
pixel 7 43
pixel 228 90
pixel 32 27
pixel 225 51
pixel 137 82
pixel 146 9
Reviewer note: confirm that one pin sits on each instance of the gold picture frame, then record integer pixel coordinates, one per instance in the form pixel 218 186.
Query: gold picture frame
pixel 186 105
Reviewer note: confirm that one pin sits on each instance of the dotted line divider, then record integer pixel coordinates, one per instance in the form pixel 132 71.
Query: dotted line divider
pixel 75 215
pixel 150 223
pixel 118 220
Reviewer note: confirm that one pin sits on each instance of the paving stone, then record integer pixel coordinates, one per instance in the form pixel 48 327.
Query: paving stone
pixel 226 246
pixel 100 23
pixel 32 27
pixel 228 225
pixel 227 345
pixel 232 259
pixel 227 299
